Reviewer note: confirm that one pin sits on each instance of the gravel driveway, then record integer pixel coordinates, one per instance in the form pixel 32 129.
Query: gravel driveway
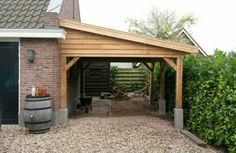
pixel 132 134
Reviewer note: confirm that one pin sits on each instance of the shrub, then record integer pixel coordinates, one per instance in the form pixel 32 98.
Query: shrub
pixel 209 97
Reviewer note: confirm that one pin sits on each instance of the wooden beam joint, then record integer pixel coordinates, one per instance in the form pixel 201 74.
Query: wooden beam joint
pixel 171 63
pixel 71 63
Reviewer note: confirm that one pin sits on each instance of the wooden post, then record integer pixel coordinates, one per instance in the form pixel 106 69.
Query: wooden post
pixel 81 79
pixel 179 79
pixel 63 83
pixel 162 80
pixel 152 99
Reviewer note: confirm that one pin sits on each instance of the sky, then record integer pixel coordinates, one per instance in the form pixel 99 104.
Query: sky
pixel 215 27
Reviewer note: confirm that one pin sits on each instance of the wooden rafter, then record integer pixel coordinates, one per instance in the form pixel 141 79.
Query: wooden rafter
pixel 71 63
pixel 171 63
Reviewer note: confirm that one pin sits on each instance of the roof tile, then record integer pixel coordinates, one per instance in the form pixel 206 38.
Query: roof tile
pixel 22 13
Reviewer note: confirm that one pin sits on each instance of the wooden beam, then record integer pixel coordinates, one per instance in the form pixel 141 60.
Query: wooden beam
pixel 123 60
pixel 63 83
pixel 162 80
pixel 171 63
pixel 107 54
pixel 147 66
pixel 113 59
pixel 179 80
pixel 152 99
pixel 71 63
pixel 159 52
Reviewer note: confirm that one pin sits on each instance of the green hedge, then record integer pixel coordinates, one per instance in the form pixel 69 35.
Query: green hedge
pixel 209 97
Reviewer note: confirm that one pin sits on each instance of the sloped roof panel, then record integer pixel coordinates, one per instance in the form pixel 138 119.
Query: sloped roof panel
pixel 19 14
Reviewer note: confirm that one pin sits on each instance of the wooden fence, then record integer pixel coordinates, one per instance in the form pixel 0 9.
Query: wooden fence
pixel 97 78
pixel 130 79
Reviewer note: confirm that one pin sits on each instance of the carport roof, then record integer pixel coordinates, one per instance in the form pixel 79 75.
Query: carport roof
pixel 185 49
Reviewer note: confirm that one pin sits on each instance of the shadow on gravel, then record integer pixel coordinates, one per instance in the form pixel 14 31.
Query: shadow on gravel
pixel 133 106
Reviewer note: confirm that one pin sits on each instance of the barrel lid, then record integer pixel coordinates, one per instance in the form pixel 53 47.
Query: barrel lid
pixel 29 96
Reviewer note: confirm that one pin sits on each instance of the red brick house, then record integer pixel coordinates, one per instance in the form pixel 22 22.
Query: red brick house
pixel 62 44
pixel 27 25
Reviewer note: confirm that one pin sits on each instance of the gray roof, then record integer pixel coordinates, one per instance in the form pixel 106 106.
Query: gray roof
pixel 18 14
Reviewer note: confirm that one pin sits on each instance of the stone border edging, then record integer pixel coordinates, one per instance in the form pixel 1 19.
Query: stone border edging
pixel 194 138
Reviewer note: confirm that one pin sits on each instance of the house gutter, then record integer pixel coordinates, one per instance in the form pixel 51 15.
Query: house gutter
pixel 32 33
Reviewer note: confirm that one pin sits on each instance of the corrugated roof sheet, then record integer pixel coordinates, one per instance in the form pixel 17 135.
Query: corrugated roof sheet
pixel 22 13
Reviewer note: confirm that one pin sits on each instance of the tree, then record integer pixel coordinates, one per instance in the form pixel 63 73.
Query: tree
pixel 161 24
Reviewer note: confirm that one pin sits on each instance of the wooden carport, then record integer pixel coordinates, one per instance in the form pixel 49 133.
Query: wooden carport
pixel 92 42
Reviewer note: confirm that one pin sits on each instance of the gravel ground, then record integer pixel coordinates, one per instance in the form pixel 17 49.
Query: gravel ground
pixel 132 134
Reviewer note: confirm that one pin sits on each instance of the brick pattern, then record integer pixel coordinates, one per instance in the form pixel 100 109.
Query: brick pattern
pixel 70 10
pixel 45 71
pixel 51 20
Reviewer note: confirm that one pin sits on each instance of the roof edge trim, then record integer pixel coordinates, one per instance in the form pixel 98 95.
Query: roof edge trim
pixel 32 33
pixel 193 41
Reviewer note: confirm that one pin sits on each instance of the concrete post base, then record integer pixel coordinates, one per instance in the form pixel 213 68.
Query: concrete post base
pixel 21 119
pixel 58 116
pixel 179 118
pixel 162 107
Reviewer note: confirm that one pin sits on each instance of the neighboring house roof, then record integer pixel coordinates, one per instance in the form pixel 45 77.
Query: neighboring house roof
pixel 19 14
pixel 184 33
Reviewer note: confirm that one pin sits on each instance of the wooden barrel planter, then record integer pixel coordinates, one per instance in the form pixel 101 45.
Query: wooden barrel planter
pixel 38 113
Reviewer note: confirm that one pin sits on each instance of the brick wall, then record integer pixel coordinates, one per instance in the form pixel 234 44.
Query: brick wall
pixel 70 10
pixel 45 71
pixel 51 20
